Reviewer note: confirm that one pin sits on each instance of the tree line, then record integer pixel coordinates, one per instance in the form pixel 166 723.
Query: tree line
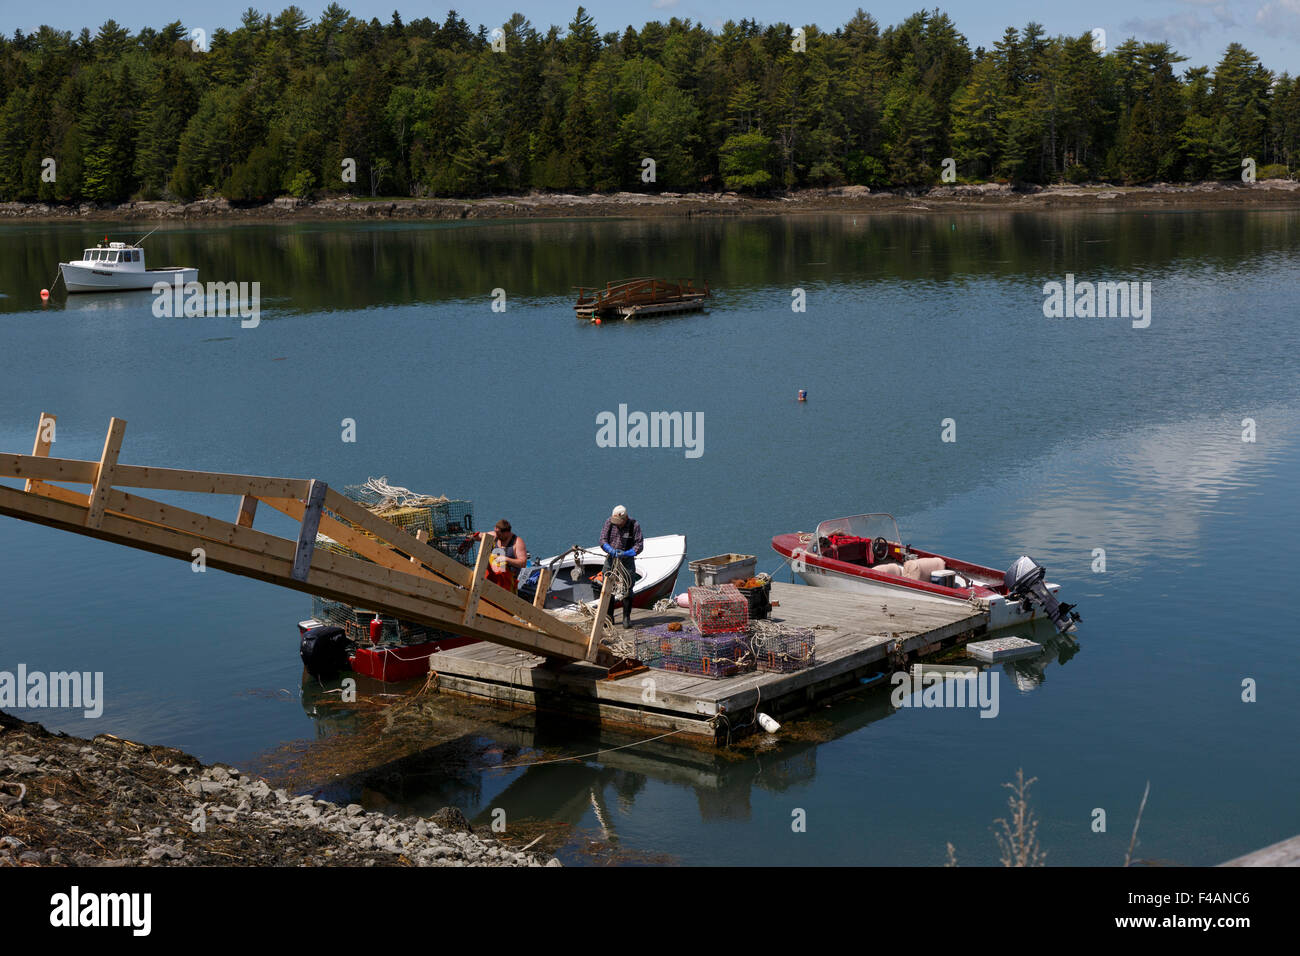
pixel 287 105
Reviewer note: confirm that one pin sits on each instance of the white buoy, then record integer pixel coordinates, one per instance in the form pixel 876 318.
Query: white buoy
pixel 768 724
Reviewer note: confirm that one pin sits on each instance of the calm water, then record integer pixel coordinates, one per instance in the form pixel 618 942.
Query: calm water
pixel 1072 435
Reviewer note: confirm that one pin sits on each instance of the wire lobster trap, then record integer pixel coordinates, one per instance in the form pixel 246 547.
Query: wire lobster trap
pixel 448 523
pixel 783 650
pixel 689 652
pixel 719 609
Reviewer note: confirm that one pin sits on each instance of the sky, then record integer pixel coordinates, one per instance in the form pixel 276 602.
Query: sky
pixel 1198 29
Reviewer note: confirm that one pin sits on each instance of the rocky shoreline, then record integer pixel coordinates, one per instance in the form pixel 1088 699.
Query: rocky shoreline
pixel 67 801
pixel 855 199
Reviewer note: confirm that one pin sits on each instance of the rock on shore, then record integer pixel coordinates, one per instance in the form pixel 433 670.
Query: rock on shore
pixel 113 802
pixel 667 204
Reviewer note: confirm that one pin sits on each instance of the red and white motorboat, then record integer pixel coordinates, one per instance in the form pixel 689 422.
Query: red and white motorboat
pixel 866 554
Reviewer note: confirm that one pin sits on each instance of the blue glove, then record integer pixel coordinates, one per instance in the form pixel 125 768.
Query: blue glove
pixel 629 553
pixel 608 548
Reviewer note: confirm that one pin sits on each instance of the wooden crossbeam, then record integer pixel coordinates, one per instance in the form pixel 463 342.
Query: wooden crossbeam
pixel 479 581
pixel 41 448
pixel 307 530
pixel 598 625
pixel 104 474
pixel 76 471
pixel 247 511
pixel 543 587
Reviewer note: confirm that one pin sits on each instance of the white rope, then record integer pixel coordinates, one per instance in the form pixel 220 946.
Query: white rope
pixel 398 496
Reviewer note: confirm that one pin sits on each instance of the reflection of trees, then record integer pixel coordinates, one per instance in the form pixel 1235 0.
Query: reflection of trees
pixel 327 267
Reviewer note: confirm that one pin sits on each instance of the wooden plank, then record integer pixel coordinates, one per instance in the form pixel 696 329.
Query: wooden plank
pixel 421 536
pixel 308 528
pixel 48 469
pixel 598 625
pixel 208 529
pixel 81 472
pixel 209 482
pixel 1286 853
pixel 247 510
pixel 41 448
pixel 543 587
pixel 104 475
pixel 479 579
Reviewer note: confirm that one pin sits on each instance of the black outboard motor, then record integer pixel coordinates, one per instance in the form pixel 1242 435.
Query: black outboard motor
pixel 324 651
pixel 1024 581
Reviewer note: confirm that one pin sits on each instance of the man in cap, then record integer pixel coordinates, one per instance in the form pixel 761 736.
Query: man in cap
pixel 621 541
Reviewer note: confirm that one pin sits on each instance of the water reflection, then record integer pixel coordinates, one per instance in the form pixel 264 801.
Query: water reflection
pixel 404 750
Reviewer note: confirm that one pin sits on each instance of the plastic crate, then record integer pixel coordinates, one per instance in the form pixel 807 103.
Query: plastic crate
pixel 721 568
pixel 719 610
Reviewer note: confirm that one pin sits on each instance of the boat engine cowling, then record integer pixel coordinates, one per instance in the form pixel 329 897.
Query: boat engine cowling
pixel 1025 581
pixel 324 651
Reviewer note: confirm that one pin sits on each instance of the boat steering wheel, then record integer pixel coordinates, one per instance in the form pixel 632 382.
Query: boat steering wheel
pixel 879 550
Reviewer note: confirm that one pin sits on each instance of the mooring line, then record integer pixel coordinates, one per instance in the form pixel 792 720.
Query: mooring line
pixel 594 753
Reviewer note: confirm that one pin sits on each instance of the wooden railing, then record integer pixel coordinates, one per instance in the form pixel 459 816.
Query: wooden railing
pixel 404 576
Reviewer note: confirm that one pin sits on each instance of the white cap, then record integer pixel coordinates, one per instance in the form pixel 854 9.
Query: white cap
pixel 620 511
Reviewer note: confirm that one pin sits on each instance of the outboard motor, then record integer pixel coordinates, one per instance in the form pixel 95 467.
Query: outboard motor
pixel 1024 581
pixel 324 651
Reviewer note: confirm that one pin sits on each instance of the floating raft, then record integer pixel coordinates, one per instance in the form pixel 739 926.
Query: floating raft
pixel 639 298
pixel 858 638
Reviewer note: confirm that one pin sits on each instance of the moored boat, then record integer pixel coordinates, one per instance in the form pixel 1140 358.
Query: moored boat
pixel 657 567
pixel 117 266
pixel 865 554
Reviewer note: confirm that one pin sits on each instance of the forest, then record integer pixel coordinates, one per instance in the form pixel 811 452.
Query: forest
pixel 285 105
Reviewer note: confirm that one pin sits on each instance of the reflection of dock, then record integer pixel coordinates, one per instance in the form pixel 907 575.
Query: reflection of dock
pixel 857 638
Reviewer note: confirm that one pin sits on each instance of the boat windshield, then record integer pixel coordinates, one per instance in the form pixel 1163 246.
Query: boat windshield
pixel 857 526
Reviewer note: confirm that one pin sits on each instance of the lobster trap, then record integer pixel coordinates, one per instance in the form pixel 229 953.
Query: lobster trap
pixel 447 522
pixel 448 525
pixel 690 652
pixel 720 609
pixel 355 622
pixel 784 650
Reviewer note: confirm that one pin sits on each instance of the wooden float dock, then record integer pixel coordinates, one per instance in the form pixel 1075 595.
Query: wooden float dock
pixel 639 298
pixel 858 640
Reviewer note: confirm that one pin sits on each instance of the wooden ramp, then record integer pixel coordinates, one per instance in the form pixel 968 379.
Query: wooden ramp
pixel 400 575
pixel 857 639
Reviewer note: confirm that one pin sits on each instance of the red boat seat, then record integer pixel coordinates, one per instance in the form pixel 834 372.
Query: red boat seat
pixel 849 547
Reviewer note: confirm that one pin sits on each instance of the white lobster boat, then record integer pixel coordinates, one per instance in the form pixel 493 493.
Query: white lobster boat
pixel 656 570
pixel 116 266
pixel 865 554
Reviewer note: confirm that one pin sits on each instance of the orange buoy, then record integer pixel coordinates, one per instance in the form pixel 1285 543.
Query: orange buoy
pixel 597 321
pixel 45 293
